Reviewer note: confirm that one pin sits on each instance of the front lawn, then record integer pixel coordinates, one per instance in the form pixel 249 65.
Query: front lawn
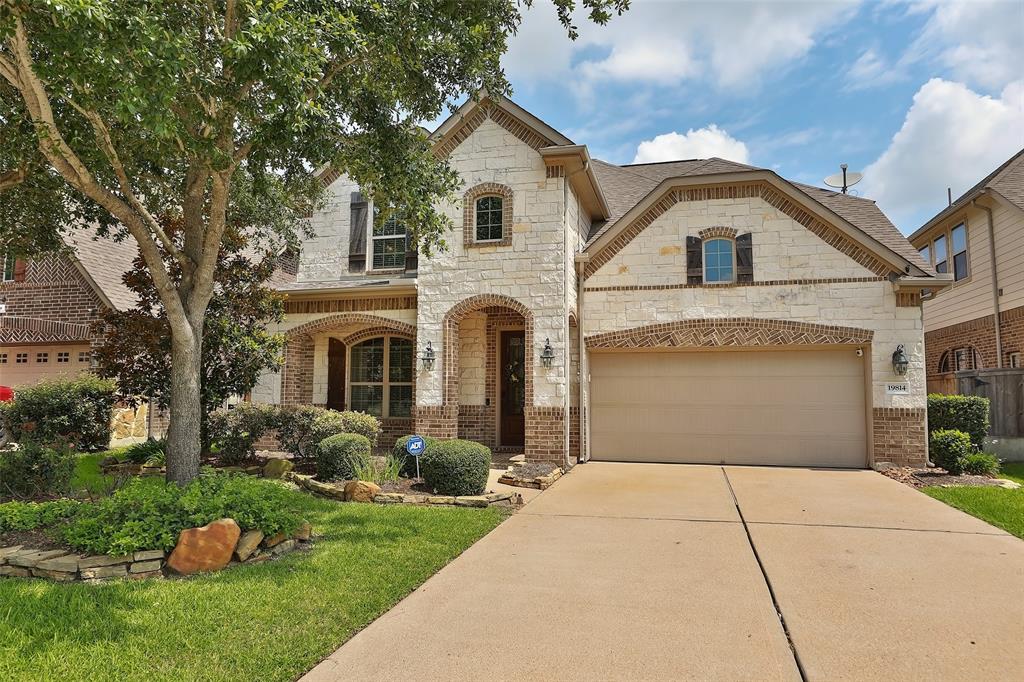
pixel 88 476
pixel 269 621
pixel 998 506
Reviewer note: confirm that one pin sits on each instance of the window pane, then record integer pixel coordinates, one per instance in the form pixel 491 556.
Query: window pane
pixel 959 236
pixel 369 399
pixel 926 253
pixel 368 361
pixel 488 218
pixel 8 261
pixel 941 267
pixel 940 249
pixel 400 401
pixel 400 360
pixel 718 260
pixel 393 226
pixel 389 253
pixel 960 265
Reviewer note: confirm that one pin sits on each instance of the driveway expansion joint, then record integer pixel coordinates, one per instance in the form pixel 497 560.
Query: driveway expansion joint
pixel 857 527
pixel 767 581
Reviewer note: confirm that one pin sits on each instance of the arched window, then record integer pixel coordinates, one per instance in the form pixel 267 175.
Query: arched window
pixel 380 377
pixel 719 260
pixel 957 359
pixel 489 212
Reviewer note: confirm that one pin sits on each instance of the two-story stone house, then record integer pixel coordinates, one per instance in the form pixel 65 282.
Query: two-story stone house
pixel 978 323
pixel 691 311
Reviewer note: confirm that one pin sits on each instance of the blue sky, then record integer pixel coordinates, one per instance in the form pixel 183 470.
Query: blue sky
pixel 919 96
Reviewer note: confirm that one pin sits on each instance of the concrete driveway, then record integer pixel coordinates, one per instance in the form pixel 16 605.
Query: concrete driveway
pixel 672 572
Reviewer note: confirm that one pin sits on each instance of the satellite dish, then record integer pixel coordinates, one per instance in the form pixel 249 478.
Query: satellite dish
pixel 844 179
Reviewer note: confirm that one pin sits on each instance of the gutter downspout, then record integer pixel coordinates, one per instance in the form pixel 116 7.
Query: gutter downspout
pixel 995 279
pixel 569 249
pixel 584 399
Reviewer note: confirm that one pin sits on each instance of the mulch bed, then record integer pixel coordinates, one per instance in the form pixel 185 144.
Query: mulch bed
pixel 36 539
pixel 532 470
pixel 921 478
pixel 406 485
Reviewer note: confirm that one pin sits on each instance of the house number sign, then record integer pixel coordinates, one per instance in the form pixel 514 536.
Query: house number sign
pixel 897 388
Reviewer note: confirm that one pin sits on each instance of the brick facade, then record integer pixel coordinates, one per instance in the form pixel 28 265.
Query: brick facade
pixel 53 304
pixel 978 334
pixel 899 437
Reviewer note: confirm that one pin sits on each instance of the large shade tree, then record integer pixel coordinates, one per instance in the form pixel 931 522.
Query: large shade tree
pixel 126 113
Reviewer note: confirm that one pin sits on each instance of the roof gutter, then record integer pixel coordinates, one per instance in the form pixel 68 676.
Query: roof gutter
pixel 995 277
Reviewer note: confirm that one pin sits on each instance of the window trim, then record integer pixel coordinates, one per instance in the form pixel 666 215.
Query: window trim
pixel 704 260
pixel 386 382
pixel 966 251
pixel 4 260
pixel 946 237
pixel 469 199
pixel 476 218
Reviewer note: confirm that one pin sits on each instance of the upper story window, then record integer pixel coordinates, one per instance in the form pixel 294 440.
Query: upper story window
pixel 719 260
pixel 489 218
pixel 941 259
pixel 380 377
pixel 8 268
pixel 958 240
pixel 389 237
pixel 926 253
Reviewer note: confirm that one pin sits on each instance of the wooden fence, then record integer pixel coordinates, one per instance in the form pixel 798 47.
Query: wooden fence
pixel 1005 390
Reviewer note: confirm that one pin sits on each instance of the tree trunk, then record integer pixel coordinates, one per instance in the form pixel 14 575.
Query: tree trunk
pixel 184 441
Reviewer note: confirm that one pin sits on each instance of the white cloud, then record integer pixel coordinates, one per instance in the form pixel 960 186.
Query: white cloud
pixel 657 43
pixel 872 69
pixel 951 137
pixel 695 144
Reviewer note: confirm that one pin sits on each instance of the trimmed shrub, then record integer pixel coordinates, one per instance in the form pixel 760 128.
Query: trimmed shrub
pixel 340 456
pixel 949 449
pixel 149 513
pixel 301 429
pixel 235 431
pixel 362 423
pixel 456 467
pixel 33 470
pixel 399 453
pixel 967 413
pixel 76 411
pixel 981 464
pixel 146 451
pixel 30 515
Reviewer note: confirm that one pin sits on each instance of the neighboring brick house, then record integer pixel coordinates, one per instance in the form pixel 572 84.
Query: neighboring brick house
pixel 978 323
pixel 692 311
pixel 51 305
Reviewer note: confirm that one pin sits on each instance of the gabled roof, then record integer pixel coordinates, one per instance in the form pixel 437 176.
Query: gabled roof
pixel 462 112
pixel 1007 181
pixel 627 186
pixel 103 262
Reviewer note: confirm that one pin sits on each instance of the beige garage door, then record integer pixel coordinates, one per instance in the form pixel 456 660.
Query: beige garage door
pixel 26 365
pixel 792 408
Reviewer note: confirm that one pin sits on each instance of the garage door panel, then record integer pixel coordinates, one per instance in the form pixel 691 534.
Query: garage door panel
pixel 799 407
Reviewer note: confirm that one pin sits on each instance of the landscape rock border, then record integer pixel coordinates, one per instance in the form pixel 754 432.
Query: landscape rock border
pixel 511 477
pixel 353 491
pixel 58 565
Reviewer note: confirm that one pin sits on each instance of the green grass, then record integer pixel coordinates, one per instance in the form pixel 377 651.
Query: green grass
pixel 269 621
pixel 998 506
pixel 88 475
pixel 1013 471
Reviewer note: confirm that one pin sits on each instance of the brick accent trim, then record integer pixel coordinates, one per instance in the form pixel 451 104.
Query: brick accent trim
pixel 731 332
pixel 898 435
pixel 374 332
pixel 726 285
pixel 718 232
pixel 15 329
pixel 828 233
pixel 487 110
pixel 326 323
pixel 348 305
pixel 469 199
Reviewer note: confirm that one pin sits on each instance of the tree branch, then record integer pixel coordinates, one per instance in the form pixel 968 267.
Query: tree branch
pixel 13 178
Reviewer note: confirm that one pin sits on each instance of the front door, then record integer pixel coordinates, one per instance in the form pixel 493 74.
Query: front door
pixel 336 375
pixel 512 373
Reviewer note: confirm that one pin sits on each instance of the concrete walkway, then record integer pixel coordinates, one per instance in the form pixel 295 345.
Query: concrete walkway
pixel 670 572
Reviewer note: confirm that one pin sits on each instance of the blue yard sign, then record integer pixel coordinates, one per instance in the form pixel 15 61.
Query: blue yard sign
pixel 414 445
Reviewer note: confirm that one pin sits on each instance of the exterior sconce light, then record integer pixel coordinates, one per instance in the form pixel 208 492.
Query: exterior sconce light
pixel 428 357
pixel 548 354
pixel 900 361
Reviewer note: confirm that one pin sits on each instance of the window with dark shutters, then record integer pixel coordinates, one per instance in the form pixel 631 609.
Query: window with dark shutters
pixel 694 261
pixel 357 233
pixel 744 258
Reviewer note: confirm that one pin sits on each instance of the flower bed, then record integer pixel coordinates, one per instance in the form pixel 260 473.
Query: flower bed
pixel 530 475
pixel 365 491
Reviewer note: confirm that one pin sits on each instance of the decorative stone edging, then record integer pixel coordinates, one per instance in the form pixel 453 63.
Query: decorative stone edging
pixel 364 491
pixel 61 566
pixel 538 482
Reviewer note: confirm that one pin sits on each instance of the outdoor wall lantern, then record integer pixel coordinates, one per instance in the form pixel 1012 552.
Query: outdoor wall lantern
pixel 548 354
pixel 900 361
pixel 428 357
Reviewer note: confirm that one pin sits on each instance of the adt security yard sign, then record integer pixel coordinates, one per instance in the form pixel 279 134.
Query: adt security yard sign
pixel 414 446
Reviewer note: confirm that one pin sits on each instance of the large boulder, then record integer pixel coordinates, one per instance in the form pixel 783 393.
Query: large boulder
pixel 200 550
pixel 360 491
pixel 276 467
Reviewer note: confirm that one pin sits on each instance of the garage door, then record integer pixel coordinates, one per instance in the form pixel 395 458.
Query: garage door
pixel 26 365
pixel 789 407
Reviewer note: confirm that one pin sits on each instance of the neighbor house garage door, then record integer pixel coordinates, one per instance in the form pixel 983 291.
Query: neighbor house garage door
pixel 787 407
pixel 26 365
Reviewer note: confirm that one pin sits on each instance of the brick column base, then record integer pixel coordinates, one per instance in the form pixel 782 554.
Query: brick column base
pixel 899 435
pixel 545 434
pixel 437 421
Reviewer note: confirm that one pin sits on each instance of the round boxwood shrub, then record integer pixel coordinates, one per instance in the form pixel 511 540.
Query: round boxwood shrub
pixel 949 449
pixel 456 467
pixel 981 464
pixel 967 413
pixel 338 456
pixel 408 461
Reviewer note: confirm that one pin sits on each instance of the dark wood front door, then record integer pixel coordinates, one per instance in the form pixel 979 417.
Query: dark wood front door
pixel 336 375
pixel 512 383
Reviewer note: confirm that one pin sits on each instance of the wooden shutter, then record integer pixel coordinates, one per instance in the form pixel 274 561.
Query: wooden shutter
pixel 20 266
pixel 694 260
pixel 357 233
pixel 744 258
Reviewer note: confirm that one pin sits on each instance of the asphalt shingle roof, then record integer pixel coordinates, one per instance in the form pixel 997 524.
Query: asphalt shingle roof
pixel 106 261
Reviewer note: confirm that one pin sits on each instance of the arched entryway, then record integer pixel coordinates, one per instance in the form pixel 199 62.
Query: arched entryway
pixel 488 367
